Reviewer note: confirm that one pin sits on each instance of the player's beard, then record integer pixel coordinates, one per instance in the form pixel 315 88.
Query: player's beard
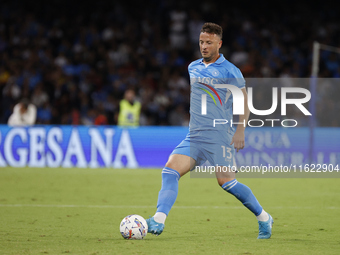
pixel 207 59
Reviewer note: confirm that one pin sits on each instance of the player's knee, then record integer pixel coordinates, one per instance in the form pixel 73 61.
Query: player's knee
pixel 174 167
pixel 222 181
pixel 170 164
pixel 179 163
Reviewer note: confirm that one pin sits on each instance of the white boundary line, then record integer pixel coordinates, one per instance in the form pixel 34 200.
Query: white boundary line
pixel 149 206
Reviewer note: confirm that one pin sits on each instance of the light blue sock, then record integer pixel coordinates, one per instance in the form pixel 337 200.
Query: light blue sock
pixel 168 193
pixel 244 194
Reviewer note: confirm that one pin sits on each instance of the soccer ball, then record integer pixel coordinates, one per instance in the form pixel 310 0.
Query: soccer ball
pixel 133 227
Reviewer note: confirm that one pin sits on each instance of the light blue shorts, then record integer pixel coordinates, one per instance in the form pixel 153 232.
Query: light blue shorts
pixel 211 146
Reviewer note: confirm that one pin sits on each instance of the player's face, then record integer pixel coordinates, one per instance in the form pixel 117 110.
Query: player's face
pixel 209 46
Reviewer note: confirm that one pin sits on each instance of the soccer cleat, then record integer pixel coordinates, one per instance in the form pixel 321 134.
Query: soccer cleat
pixel 265 228
pixel 154 227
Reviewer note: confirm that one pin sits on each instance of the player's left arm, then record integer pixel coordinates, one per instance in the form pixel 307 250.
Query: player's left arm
pixel 238 138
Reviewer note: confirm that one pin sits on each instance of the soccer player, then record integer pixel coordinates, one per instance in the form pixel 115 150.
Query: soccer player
pixel 206 141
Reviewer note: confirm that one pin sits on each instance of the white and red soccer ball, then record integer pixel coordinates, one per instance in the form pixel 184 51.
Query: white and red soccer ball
pixel 133 227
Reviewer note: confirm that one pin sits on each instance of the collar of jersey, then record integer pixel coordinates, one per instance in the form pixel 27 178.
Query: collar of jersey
pixel 218 61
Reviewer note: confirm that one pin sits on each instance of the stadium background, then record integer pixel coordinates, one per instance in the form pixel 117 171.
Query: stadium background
pixel 75 61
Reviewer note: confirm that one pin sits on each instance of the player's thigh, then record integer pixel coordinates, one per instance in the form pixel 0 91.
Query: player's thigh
pixel 223 155
pixel 181 163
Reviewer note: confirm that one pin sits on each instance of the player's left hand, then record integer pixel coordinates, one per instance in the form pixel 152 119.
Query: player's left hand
pixel 238 140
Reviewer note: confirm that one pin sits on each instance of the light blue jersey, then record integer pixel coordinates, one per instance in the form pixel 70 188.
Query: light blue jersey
pixel 205 142
pixel 203 78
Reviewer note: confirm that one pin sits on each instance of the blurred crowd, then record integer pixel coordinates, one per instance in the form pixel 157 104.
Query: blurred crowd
pixel 75 61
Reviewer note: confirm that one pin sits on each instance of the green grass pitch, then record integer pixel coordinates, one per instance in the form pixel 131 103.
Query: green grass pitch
pixel 78 211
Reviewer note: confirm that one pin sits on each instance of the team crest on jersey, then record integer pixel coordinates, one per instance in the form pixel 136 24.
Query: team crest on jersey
pixel 214 72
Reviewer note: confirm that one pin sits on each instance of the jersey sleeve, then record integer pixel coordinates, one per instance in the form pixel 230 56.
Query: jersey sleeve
pixel 190 70
pixel 189 67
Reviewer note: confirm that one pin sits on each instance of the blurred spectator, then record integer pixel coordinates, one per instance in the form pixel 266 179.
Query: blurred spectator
pixel 101 118
pixel 39 96
pixel 129 110
pixel 239 57
pixel 24 114
pixel 44 114
pixel 89 118
pixel 177 82
pixel 194 25
pixel 75 117
pixel 12 89
pixel 178 116
pixel 178 18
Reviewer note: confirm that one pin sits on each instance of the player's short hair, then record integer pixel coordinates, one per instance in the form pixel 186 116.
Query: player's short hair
pixel 212 28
